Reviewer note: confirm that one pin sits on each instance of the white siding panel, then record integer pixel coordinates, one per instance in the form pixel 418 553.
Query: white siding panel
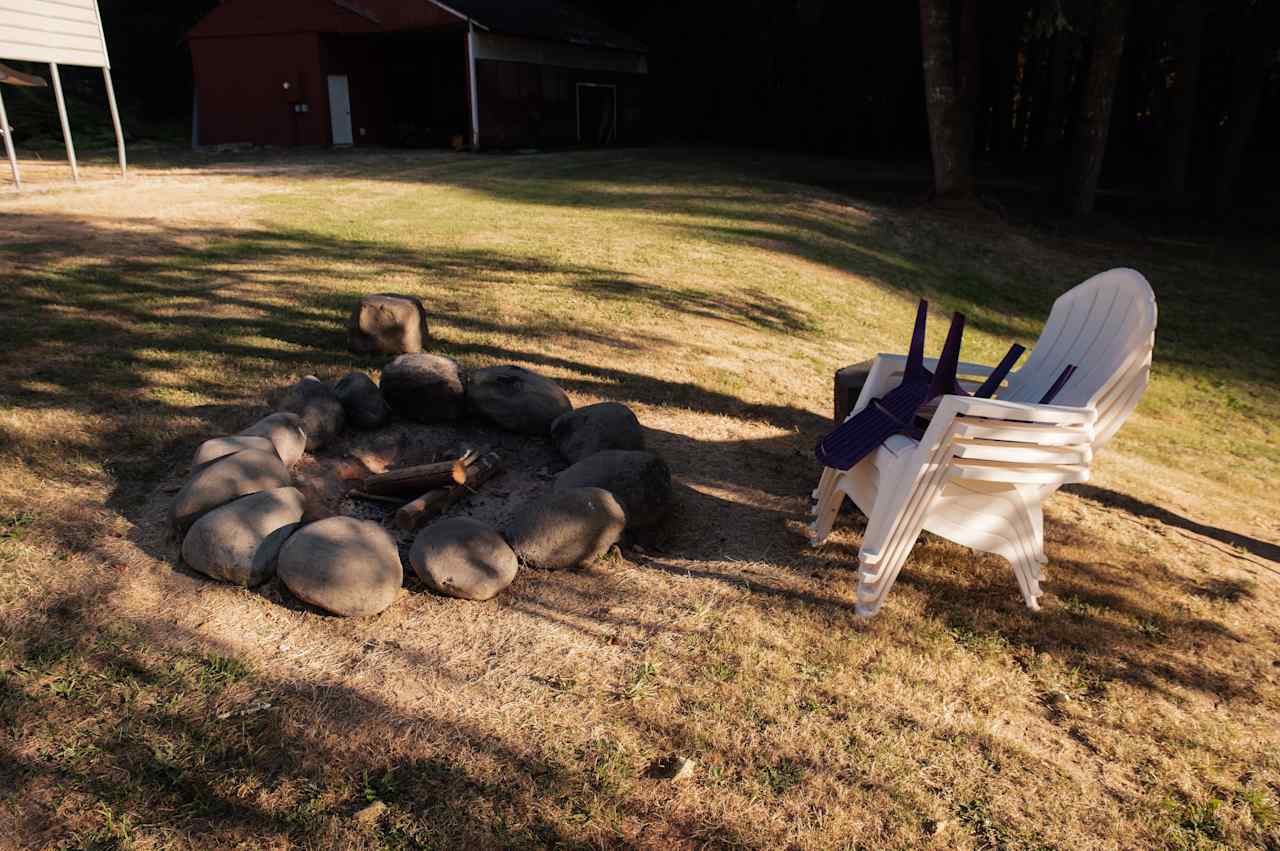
pixel 35 23
pixel 64 31
pixel 70 10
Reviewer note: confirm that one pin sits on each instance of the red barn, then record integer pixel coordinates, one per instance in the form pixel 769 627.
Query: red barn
pixel 497 73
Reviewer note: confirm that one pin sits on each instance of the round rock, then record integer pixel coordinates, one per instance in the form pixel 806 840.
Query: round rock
pixel 387 324
pixel 424 388
pixel 362 401
pixel 595 428
pixel 640 481
pixel 232 476
pixel 239 542
pixel 318 407
pixel 566 528
pixel 516 398
pixel 285 433
pixel 343 565
pixel 219 447
pixel 463 558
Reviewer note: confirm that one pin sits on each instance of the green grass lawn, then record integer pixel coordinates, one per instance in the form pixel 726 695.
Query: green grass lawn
pixel 715 293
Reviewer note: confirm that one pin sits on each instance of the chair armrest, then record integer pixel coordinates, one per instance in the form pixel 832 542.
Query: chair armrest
pixel 1025 412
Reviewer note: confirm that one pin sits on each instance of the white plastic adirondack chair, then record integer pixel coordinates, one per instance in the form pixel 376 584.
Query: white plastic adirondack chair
pixel 983 467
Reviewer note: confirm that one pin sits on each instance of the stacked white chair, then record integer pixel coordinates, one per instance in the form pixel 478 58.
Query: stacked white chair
pixel 981 471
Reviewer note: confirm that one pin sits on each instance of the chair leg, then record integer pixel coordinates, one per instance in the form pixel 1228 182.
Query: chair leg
pixel 875 580
pixel 823 490
pixel 1034 516
pixel 1027 571
pixel 826 509
pixel 892 531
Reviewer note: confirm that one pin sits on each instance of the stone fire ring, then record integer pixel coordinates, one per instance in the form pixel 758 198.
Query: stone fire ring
pixel 248 513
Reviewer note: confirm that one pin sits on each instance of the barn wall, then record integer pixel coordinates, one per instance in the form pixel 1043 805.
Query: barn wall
pixel 528 105
pixel 240 92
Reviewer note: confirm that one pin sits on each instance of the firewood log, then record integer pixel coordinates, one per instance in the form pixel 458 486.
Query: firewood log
pixel 433 503
pixel 423 477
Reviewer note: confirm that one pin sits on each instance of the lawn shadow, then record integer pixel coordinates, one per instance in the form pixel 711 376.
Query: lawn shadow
pixel 1095 619
pixel 93 322
pixel 1140 508
pixel 243 297
pixel 740 197
pixel 168 734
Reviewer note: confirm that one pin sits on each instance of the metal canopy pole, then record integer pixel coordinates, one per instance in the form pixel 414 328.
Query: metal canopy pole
pixel 66 125
pixel 471 79
pixel 115 119
pixel 8 144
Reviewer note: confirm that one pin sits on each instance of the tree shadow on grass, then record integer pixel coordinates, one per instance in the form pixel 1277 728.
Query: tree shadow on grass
pixel 89 332
pixel 167 735
pixel 1140 508
pixel 742 197
pixel 94 321
pixel 242 299
pixel 1095 619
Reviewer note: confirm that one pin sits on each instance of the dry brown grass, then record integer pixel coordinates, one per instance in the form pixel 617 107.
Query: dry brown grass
pixel 141 706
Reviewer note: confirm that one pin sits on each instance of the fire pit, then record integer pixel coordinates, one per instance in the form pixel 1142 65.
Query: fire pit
pixel 464 476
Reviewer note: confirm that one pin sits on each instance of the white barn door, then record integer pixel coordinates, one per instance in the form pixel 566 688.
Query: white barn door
pixel 340 110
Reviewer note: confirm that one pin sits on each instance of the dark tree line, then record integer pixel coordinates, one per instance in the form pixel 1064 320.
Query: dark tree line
pixel 1066 77
pixel 1174 99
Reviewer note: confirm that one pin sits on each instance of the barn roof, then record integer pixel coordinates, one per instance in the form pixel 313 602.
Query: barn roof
pixel 553 20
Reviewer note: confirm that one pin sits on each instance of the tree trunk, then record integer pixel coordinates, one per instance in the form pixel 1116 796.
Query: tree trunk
pixel 1053 127
pixel 950 126
pixel 1028 94
pixel 1089 144
pixel 1003 115
pixel 968 75
pixel 1248 80
pixel 811 12
pixel 1188 29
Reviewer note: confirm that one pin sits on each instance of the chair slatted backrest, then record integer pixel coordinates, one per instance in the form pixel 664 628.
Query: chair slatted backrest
pixel 1105 327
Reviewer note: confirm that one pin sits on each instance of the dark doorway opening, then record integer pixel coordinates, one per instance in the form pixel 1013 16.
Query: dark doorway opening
pixel 426 89
pixel 407 89
pixel 597 113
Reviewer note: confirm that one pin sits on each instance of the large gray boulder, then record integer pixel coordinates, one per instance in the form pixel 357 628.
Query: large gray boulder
pixel 362 401
pixel 230 477
pixel 284 430
pixel 463 558
pixel 387 324
pixel 239 542
pixel 343 565
pixel 322 415
pixel 425 388
pixel 595 428
pixel 220 447
pixel 516 398
pixel 566 528
pixel 640 481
